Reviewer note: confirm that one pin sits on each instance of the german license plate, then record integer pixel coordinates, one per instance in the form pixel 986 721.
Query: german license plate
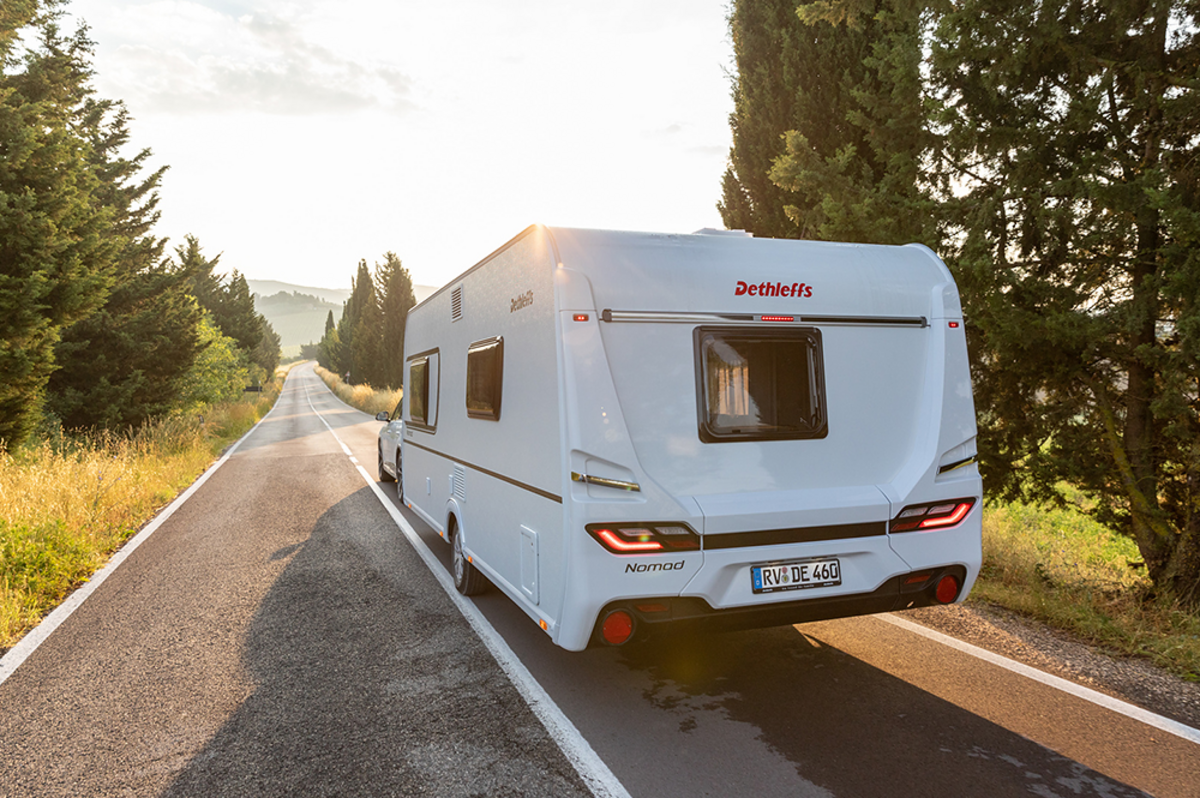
pixel 779 577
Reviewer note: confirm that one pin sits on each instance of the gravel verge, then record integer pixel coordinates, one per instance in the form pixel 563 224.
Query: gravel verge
pixel 1004 632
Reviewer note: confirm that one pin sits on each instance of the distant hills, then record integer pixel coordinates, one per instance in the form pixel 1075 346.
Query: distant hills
pixel 298 312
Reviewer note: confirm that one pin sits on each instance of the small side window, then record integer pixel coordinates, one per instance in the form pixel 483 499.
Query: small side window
pixel 418 387
pixel 485 378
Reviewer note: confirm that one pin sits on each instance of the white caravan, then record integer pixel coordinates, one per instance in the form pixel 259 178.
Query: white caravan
pixel 626 430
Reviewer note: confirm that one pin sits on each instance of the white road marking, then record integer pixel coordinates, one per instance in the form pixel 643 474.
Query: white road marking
pixel 38 635
pixel 1065 685
pixel 587 763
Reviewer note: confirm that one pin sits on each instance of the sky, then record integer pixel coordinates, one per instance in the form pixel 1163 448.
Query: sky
pixel 305 136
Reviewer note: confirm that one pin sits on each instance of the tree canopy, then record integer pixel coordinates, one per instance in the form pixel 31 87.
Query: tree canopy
pixel 97 328
pixel 1047 152
pixel 367 342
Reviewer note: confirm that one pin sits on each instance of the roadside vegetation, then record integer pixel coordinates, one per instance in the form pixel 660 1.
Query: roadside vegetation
pixel 1061 567
pixel 361 397
pixel 68 501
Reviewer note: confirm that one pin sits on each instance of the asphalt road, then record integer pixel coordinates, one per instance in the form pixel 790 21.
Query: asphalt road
pixel 278 635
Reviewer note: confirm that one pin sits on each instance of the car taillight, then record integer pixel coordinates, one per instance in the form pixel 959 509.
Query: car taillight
pixel 935 515
pixel 645 538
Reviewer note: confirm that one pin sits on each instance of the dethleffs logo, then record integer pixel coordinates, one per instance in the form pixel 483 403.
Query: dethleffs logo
pixel 523 301
pixel 773 289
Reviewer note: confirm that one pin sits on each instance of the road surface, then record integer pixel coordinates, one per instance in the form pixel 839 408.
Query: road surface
pixel 279 634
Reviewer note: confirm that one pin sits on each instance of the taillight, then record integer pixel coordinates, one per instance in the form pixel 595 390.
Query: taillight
pixel 645 538
pixel 936 515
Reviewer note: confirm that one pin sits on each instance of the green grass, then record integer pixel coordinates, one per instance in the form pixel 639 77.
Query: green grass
pixel 68 502
pixel 1060 567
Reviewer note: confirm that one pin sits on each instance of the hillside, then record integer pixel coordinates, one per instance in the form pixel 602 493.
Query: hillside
pixel 298 312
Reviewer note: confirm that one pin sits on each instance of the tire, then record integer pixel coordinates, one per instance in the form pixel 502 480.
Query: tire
pixel 384 476
pixel 399 478
pixel 467 579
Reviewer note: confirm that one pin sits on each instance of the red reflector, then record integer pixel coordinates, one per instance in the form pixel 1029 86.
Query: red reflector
pixel 617 627
pixel 959 513
pixel 777 318
pixel 616 543
pixel 915 578
pixel 953 325
pixel 581 317
pixel 947 590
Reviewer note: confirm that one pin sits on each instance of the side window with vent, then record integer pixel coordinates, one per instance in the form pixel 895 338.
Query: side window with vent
pixel 485 378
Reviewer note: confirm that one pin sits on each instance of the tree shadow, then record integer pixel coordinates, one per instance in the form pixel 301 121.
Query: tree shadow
pixel 368 682
pixel 848 726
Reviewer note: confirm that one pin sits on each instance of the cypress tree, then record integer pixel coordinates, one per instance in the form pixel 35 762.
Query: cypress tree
pixel 394 284
pixel 773 55
pixel 362 297
pixel 828 124
pixel 858 178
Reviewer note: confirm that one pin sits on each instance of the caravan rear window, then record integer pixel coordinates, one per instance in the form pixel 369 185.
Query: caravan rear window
pixel 757 384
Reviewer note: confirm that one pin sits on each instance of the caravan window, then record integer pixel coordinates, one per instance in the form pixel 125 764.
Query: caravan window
pixel 422 390
pixel 485 377
pixel 760 384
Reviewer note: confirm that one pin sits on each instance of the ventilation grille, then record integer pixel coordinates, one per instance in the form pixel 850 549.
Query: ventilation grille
pixel 456 303
pixel 460 482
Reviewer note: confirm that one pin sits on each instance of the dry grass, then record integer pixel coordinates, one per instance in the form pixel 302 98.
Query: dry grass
pixel 1061 567
pixel 361 397
pixel 67 504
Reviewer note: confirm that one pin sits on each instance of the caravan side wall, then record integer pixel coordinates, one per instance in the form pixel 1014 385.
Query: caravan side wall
pixel 499 480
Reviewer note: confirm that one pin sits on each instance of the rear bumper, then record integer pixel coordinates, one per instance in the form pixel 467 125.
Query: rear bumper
pixel 689 613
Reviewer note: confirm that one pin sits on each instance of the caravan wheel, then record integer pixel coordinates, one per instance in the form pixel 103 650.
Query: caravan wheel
pixel 467 578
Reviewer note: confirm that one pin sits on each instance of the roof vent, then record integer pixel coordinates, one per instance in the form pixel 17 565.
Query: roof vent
pixel 712 231
pixel 456 303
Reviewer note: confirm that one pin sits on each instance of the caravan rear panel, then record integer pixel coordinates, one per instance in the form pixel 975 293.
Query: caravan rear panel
pixel 699 428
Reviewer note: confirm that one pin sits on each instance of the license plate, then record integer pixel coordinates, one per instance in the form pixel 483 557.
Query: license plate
pixel 779 577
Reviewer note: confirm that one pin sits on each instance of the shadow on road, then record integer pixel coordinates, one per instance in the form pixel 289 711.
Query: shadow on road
pixel 369 682
pixel 846 725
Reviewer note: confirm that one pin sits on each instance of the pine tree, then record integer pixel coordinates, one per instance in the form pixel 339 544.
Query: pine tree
pixel 56 250
pixel 266 354
pixel 124 364
pixel 1074 195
